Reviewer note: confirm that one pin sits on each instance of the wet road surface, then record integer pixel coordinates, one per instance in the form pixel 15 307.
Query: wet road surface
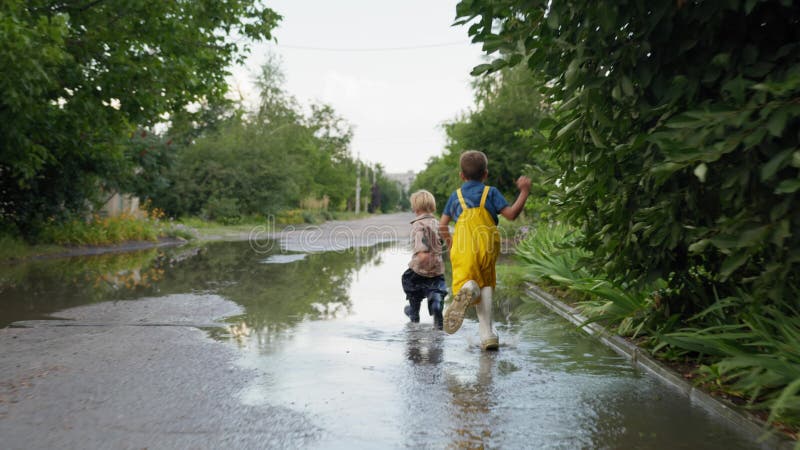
pixel 313 352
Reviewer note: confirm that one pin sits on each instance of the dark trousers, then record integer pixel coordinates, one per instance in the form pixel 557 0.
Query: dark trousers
pixel 418 288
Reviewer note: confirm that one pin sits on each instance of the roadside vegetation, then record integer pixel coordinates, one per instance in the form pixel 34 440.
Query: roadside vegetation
pixel 663 140
pixel 77 90
pixel 57 237
pixel 95 111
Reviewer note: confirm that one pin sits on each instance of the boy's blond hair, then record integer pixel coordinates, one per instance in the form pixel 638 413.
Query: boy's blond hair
pixel 423 201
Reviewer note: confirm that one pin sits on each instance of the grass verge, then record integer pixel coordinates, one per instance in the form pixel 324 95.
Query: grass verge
pixel 55 238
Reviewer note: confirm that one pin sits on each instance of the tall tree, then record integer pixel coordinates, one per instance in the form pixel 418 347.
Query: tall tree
pixel 261 162
pixel 80 76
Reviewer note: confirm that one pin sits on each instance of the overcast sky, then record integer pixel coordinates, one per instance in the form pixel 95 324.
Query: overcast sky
pixel 396 98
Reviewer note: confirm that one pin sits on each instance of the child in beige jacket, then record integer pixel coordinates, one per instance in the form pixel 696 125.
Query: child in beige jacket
pixel 425 275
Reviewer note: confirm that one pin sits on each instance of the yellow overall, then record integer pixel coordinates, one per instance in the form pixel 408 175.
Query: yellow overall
pixel 476 245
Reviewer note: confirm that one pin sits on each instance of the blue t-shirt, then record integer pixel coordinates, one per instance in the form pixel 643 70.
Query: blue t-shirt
pixel 472 192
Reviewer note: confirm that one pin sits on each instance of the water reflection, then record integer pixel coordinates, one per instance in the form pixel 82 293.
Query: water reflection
pixel 473 405
pixel 275 296
pixel 423 346
pixel 34 289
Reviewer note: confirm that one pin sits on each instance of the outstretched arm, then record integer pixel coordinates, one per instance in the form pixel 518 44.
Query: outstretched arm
pixel 511 212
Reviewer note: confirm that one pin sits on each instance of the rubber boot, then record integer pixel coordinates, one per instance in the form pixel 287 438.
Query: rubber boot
pixel 412 310
pixel 489 339
pixel 435 307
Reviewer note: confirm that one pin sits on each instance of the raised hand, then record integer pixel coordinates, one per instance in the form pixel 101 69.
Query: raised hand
pixel 524 184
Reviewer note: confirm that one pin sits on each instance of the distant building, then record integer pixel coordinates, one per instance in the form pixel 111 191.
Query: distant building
pixel 405 179
pixel 119 204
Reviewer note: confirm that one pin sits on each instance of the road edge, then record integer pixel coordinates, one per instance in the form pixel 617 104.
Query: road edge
pixel 639 358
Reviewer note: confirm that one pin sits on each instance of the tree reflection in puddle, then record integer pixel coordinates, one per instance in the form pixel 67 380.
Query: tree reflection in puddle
pixel 35 289
pixel 274 296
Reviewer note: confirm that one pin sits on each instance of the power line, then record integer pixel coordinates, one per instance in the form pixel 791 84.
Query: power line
pixel 396 139
pixel 371 49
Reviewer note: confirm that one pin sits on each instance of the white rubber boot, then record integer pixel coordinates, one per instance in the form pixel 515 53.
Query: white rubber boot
pixel 489 339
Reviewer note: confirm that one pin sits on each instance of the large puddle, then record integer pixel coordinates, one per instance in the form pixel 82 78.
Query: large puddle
pixel 327 338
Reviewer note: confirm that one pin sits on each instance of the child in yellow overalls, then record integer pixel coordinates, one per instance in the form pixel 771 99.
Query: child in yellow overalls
pixel 475 243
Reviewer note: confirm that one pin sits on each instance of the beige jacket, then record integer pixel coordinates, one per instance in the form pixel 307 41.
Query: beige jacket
pixel 426 247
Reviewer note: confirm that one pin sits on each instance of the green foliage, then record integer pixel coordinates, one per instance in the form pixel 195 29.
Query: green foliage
pixel 12 247
pixel 100 231
pixel 240 162
pixel 149 157
pixel 440 177
pixel 404 203
pixel 506 104
pixel 93 231
pixel 675 132
pixel 290 216
pixel 390 193
pixel 759 358
pixel 262 162
pixel 309 217
pixel 550 255
pixel 224 210
pixel 79 78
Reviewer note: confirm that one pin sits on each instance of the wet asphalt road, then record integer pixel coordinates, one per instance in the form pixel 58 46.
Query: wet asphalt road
pixel 146 374
pixel 245 346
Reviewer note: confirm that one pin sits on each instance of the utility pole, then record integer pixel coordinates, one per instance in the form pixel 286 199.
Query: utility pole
pixel 358 184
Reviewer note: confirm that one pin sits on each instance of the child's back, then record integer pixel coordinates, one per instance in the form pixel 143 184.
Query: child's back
pixel 475 245
pixel 476 240
pixel 426 259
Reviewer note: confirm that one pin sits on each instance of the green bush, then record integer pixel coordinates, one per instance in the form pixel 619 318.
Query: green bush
pixel 675 131
pixel 550 255
pixel 277 157
pixel 758 358
pixel 224 210
pixel 99 231
pixel 290 216
pixel 309 217
pixel 549 252
pixel 12 246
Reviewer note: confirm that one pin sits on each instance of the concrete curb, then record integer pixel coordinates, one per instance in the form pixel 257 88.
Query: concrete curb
pixel 640 358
